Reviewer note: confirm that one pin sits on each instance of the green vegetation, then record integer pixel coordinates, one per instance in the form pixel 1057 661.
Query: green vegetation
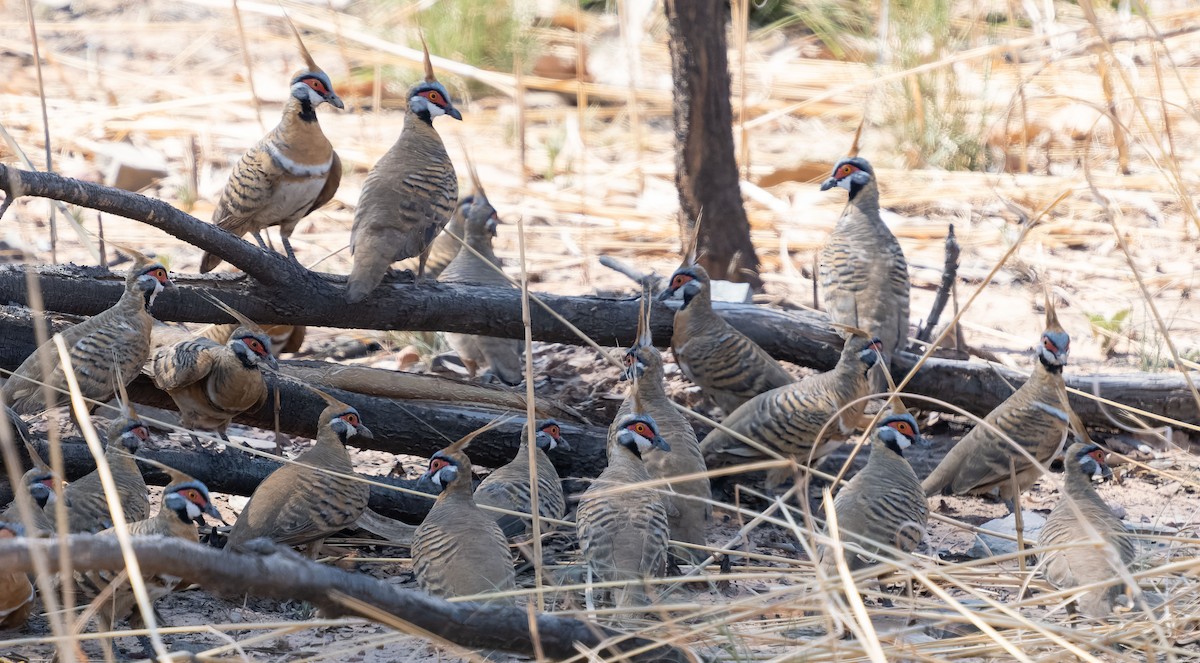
pixel 484 33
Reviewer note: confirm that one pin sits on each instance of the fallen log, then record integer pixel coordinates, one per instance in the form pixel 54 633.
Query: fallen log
pixel 800 337
pixel 230 472
pixel 284 575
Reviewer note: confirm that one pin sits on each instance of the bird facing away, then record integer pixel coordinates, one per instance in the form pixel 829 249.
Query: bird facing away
pixel 623 535
pixel 16 592
pixel 408 196
pixel 210 383
pixel 184 503
pixel 113 343
pixel 87 508
pixel 508 486
pixel 501 357
pixel 788 419
pixel 302 503
pixel 446 245
pixel 459 550
pixel 687 511
pixel 864 277
pixel 1085 564
pixel 882 507
pixel 728 367
pixel 1035 416
pixel 288 174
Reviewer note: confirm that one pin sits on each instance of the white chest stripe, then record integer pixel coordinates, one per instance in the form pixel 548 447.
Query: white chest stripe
pixel 1051 410
pixel 296 169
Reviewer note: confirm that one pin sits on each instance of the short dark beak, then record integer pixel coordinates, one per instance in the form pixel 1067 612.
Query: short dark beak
pixel 453 112
pixel 363 431
pixel 829 184
pixel 168 285
pixel 335 101
pixel 666 294
pixel 923 442
pixel 661 443
pixel 212 511
pixel 563 444
pixel 273 362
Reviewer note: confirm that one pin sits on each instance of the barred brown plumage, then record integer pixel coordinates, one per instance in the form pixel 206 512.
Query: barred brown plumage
pixel 409 194
pixel 16 592
pixel 508 486
pixel 788 419
pixel 623 536
pixel 864 276
pixel 1035 416
pixel 1085 564
pixel 883 506
pixel 114 342
pixel 288 174
pixel 87 508
pixel 728 367
pixel 445 246
pixel 501 357
pixel 300 504
pixel 459 549
pixel 688 513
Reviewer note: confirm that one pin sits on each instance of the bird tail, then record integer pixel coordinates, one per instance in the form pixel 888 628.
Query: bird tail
pixel 370 264
pixel 209 262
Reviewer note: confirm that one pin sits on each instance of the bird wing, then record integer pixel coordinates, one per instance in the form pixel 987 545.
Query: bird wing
pixel 332 180
pixel 183 364
pixel 250 187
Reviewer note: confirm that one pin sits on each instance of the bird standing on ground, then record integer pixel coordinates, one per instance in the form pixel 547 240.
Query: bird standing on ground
pixel 883 506
pixel 459 549
pixel 687 509
pixel 623 536
pixel 1079 517
pixel 728 367
pixel 864 276
pixel 500 356
pixel 113 342
pixel 87 506
pixel 289 174
pixel 16 592
pixel 789 418
pixel 1035 417
pixel 508 486
pixel 300 503
pixel 409 194
pixel 211 384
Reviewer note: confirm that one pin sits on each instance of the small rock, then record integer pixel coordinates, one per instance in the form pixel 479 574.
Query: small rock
pixel 727 291
pixel 987 546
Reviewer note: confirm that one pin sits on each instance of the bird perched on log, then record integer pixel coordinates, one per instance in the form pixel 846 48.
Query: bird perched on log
pixel 184 504
pixel 459 549
pixel 16 592
pixel 687 511
pixel 302 503
pixel 508 486
pixel 409 194
pixel 1078 518
pixel 500 356
pixel 788 419
pixel 287 175
pixel 87 507
pixel 882 507
pixel 623 536
pixel 728 367
pixel 864 277
pixel 446 245
pixel 39 482
pixel 211 384
pixel 1035 417
pixel 115 341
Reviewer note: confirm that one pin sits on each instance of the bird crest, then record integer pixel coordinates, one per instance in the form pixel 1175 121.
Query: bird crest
pixel 1052 324
pixel 126 405
pixel 308 59
pixel 460 445
pixel 644 335
pixel 857 135
pixel 429 77
pixel 329 400
pixel 35 457
pixel 476 183
pixel 691 249
pixel 177 476
pixel 851 331
pixel 234 313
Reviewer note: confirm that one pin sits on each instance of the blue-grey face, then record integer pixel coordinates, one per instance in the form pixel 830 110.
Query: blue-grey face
pixel 314 87
pixel 869 355
pixel 429 99
pixel 133 435
pixel 851 174
pixel 634 366
pixel 442 472
pixel 549 436
pixel 1091 461
pixel 900 431
pixel 1055 348
pixel 191 501
pixel 640 434
pixel 253 349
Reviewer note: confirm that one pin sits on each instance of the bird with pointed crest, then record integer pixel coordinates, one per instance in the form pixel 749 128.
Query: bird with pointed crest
pixel 882 511
pixel 688 511
pixel 459 549
pixel 210 383
pixel 1035 416
pixel 115 341
pixel 304 502
pixel 408 196
pixel 40 482
pixel 476 263
pixel 87 507
pixel 729 368
pixel 290 173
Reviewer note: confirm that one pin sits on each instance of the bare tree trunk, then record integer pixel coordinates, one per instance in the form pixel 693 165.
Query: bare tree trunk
pixel 706 172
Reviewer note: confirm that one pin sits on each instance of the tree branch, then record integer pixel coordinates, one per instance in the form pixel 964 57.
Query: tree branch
pixel 282 574
pixel 949 272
